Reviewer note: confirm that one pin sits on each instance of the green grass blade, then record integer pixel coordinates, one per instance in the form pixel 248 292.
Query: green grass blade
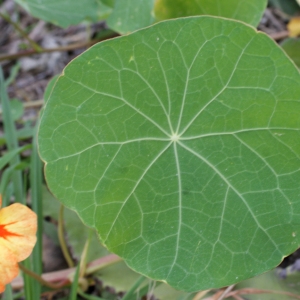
pixel 13 73
pixel 5 179
pixel 6 158
pixel 11 137
pixel 28 281
pixel 89 297
pixel 36 178
pixel 74 286
pixel 8 294
pixel 131 293
pixel 147 288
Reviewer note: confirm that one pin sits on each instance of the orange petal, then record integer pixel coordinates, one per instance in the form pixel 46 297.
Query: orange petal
pixel 18 226
pixel 9 268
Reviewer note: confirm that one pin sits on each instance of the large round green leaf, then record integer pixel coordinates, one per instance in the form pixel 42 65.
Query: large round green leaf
pixel 65 12
pixel 180 144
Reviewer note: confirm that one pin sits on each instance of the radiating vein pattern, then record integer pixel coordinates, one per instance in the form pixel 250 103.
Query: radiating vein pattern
pixel 180 145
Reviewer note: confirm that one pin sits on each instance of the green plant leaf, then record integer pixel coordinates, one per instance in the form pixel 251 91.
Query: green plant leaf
pixel 292 48
pixel 249 11
pixel 289 7
pixel 17 109
pixel 179 143
pixel 130 15
pixel 121 278
pixel 76 232
pixel 109 3
pixel 64 12
pixel 272 282
pixel 49 87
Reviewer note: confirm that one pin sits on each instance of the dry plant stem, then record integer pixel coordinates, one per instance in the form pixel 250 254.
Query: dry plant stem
pixel 101 263
pixel 31 104
pixel 63 275
pixel 33 44
pixel 41 280
pixel 236 297
pixel 279 35
pixel 48 50
pixel 200 295
pixel 35 103
pixel 86 44
pixel 225 293
pixel 253 291
pixel 214 296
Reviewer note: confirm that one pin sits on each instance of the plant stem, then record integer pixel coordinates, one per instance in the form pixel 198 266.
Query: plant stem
pixel 82 267
pixel 33 44
pixel 102 263
pixel 41 280
pixel 74 286
pixel 61 238
pixel 63 48
pixel 130 294
pixel 226 291
pixel 63 275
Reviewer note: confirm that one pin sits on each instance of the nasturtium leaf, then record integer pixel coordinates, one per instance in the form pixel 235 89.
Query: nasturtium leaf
pixel 130 15
pixel 180 144
pixel 289 7
pixel 49 87
pixel 109 3
pixel 292 48
pixel 65 12
pixel 249 11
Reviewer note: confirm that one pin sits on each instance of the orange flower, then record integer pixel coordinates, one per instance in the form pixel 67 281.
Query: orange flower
pixel 18 225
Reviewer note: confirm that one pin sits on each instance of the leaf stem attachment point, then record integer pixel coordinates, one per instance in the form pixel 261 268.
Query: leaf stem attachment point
pixel 175 137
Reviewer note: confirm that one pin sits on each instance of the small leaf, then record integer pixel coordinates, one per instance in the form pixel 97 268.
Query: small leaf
pixel 289 7
pixel 179 144
pixel 130 15
pixel 63 12
pixel 292 49
pixel 109 3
